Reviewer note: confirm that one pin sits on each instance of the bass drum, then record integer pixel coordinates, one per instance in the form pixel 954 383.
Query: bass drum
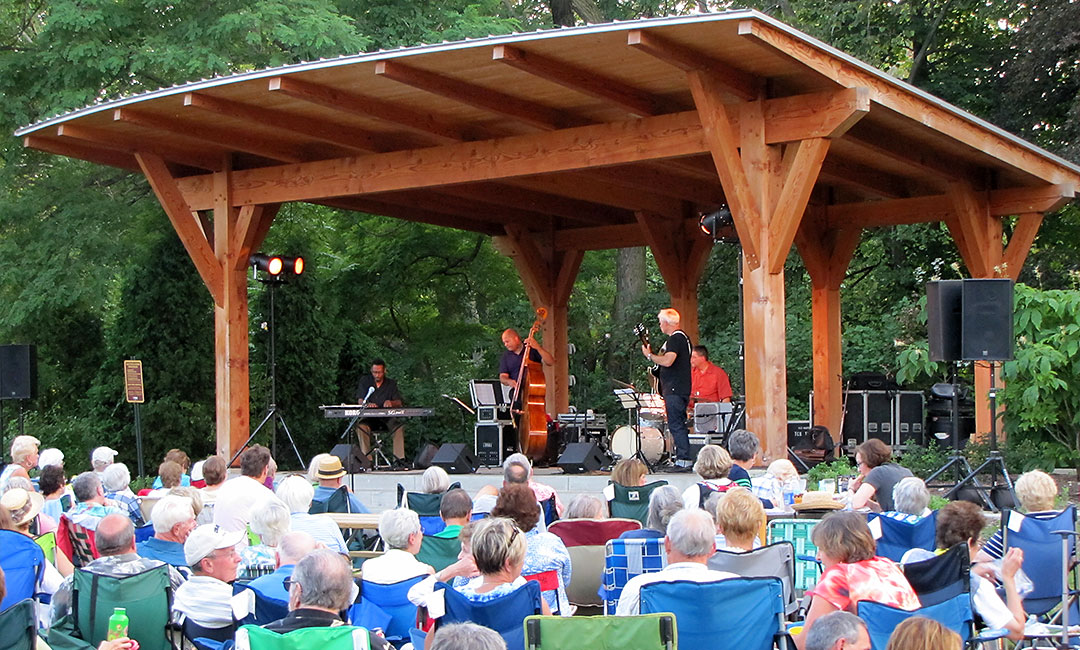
pixel 654 445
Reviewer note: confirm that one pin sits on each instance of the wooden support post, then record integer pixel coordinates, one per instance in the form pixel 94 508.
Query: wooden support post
pixel 681 252
pixel 548 276
pixel 768 185
pixel 826 253
pixel 220 252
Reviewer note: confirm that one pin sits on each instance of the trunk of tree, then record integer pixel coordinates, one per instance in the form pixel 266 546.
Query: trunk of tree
pixel 629 283
pixel 562 12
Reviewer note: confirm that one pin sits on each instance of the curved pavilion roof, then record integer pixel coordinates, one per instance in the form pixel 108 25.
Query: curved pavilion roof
pixel 907 143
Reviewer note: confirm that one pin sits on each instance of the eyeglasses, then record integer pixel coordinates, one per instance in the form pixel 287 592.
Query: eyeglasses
pixel 513 536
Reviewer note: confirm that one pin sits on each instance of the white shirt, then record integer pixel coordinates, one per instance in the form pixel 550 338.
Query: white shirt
pixel 393 566
pixel 207 601
pixel 236 498
pixel 322 528
pixel 985 600
pixel 630 600
pixel 691 496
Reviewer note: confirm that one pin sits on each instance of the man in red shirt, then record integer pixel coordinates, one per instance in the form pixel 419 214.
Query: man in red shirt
pixel 708 381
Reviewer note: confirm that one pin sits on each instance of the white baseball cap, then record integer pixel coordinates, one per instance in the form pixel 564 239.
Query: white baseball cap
pixel 208 538
pixel 51 456
pixel 103 455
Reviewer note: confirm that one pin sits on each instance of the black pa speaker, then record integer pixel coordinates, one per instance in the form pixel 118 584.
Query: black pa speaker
pixel 581 457
pixel 352 459
pixel 944 305
pixel 455 458
pixel 424 455
pixel 18 372
pixel 987 324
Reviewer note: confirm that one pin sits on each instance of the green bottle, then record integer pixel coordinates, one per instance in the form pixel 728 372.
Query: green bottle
pixel 118 624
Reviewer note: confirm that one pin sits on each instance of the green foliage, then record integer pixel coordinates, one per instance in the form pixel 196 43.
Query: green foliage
pixel 839 467
pixel 923 461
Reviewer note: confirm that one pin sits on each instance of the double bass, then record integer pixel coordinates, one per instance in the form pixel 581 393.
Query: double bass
pixel 532 425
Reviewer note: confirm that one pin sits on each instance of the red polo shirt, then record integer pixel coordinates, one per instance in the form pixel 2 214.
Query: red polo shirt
pixel 710 384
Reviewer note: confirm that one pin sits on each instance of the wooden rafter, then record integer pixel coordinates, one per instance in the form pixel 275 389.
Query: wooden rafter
pixel 336 134
pixel 633 100
pixel 198 158
pixel 734 81
pixel 212 135
pixel 539 202
pixel 598 189
pixel 72 149
pixel 378 206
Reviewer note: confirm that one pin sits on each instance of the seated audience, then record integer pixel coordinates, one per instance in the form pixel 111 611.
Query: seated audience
pixel 173 519
pixel 744 448
pixel 920 633
pixel 456 511
pixel 401 532
pixel 321 587
pixel 41 523
pixel 293 548
pixel 271 523
pixel 115 538
pixel 911 500
pixel 838 631
pixel 24 457
pixel 194 495
pixel 467 636
pixel 516 469
pixel 739 518
pixel 50 456
pixel 878 475
pixel 51 484
pixel 770 486
pixel 629 472
pixel 961 522
pixel 116 480
pixel 91 506
pixel 238 495
pixel 1036 491
pixel 180 458
pixel 852 571
pixel 544 550
pixel 297 494
pixel 101 458
pixel 169 473
pixel 664 502
pixel 434 480
pixel 587 506
pixel 330 475
pixel 206 597
pixel 197 480
pixel 456 575
pixel 313 467
pixel 214 471
pixel 23 507
pixel 690 542
pixel 712 465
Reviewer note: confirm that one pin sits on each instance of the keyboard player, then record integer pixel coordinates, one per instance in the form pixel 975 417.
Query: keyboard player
pixel 379 391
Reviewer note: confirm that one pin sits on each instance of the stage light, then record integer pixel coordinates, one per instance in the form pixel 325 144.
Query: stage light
pixel 271 264
pixel 718 225
pixel 294 265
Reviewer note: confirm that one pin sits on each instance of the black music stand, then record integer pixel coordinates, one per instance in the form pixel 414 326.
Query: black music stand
pixel 630 400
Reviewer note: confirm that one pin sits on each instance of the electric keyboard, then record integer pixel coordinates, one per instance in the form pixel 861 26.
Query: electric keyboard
pixel 358 410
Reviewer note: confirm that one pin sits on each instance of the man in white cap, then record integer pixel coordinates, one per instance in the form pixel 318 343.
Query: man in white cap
pixel 330 474
pixel 205 599
pixel 101 458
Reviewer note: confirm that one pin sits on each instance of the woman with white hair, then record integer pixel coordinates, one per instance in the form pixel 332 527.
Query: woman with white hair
pixel 297 493
pixel 1037 493
pixel 435 480
pixel 664 502
pixel 24 457
pixel 116 480
pixel 911 500
pixel 712 465
pixel 271 522
pixel 401 533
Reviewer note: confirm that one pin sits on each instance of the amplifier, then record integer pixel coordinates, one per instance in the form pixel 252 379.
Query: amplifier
pixel 490 443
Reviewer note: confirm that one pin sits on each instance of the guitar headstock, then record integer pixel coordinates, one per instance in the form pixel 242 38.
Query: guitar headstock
pixel 641 332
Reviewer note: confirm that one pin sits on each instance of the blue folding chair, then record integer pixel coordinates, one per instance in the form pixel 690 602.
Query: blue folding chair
pixel 899 536
pixel 551 513
pixel 954 613
pixel 1042 556
pixel 269 605
pixel 426 506
pixel 386 607
pixel 624 559
pixel 506 615
pixel 745 613
pixel 23 563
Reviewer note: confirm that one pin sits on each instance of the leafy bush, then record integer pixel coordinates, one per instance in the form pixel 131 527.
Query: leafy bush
pixel 839 467
pixel 923 461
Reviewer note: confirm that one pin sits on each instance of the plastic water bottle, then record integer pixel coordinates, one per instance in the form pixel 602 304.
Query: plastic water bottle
pixel 118 625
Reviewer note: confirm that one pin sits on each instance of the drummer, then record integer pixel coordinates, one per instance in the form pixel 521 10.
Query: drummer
pixel 708 381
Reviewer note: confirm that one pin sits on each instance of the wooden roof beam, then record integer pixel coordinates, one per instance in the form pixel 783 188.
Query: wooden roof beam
pixel 926 209
pixel 71 149
pixel 658 179
pixel 539 202
pixel 736 82
pixel 324 131
pixel 93 136
pixel 599 237
pixel 845 173
pixel 212 135
pixel 597 189
pixel 935 167
pixel 633 100
pixel 468 207
pixel 355 104
pixel 493 101
pixel 372 205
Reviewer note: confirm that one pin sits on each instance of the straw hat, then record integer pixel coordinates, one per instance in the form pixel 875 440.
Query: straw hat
pixel 330 468
pixel 22 505
pixel 818 501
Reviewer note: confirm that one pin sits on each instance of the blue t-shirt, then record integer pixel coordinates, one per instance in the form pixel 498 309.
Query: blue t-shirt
pixel 510 363
pixel 159 549
pixel 739 476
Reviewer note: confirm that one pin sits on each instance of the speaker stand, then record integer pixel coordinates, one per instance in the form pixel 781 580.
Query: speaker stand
pixel 957 461
pixel 995 462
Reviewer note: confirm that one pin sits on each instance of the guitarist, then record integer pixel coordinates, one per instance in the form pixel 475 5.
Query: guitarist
pixel 673 369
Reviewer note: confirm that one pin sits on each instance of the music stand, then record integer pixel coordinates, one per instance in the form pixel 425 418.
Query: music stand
pixel 633 402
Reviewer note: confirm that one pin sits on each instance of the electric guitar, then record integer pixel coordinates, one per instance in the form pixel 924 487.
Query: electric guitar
pixel 654 372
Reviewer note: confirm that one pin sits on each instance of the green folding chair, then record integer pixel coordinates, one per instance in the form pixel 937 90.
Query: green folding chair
pixel 797 531
pixel 631 502
pixel 18 626
pixel 644 632
pixel 439 552
pixel 47 542
pixel 342 637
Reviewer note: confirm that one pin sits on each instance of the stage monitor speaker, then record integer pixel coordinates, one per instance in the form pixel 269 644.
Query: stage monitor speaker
pixel 581 457
pixel 987 323
pixel 455 458
pixel 18 372
pixel 423 457
pixel 944 310
pixel 352 459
